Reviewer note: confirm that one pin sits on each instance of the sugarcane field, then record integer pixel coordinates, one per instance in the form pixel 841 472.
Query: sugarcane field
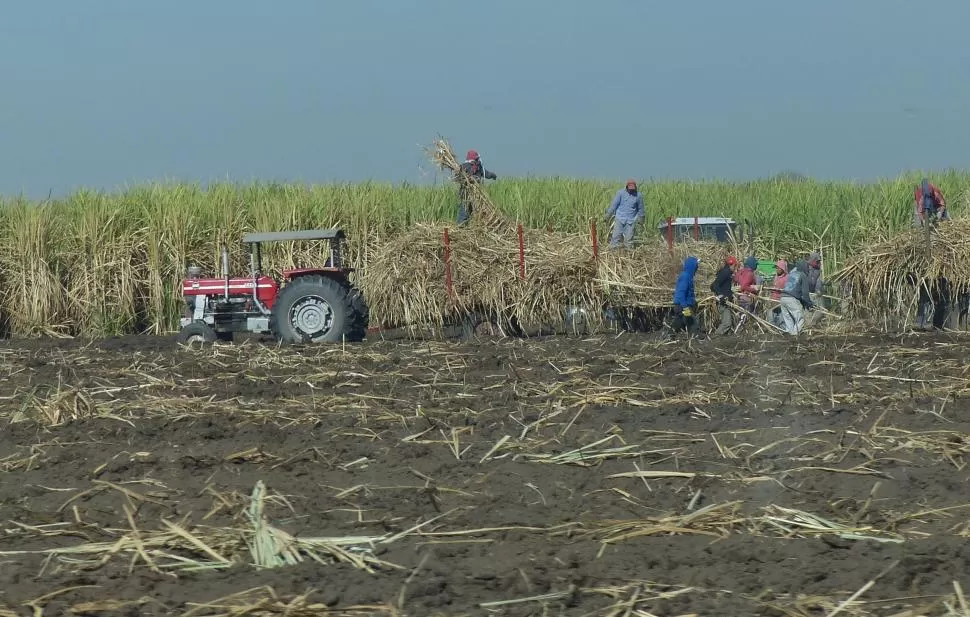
pixel 304 413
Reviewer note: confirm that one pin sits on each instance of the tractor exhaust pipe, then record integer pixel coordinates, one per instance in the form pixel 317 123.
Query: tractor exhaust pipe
pixel 225 270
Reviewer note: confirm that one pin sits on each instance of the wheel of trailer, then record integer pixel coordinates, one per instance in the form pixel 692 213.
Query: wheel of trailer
pixel 361 314
pixel 196 334
pixel 469 325
pixel 317 310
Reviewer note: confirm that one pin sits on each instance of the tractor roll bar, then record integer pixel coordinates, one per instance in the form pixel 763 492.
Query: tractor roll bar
pixel 304 234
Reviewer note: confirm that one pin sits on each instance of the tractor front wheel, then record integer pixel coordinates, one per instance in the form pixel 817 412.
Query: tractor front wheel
pixel 318 310
pixel 197 333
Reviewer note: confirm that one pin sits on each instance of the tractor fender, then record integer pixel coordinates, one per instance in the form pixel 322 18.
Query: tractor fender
pixel 337 274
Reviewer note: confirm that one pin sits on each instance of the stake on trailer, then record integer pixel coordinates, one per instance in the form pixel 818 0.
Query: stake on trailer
pixel 670 233
pixel 596 240
pixel 697 229
pixel 448 285
pixel 521 254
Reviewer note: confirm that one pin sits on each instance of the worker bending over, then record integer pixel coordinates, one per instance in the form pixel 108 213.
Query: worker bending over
pixel 795 298
pixel 723 293
pixel 930 204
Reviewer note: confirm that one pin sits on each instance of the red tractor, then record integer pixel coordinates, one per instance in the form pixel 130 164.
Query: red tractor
pixel 311 305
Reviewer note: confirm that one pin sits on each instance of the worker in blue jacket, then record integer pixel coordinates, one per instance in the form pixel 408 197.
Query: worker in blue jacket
pixel 627 210
pixel 682 316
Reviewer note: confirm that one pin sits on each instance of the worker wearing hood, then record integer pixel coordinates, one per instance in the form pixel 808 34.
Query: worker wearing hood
pixel 748 284
pixel 685 304
pixel 781 277
pixel 795 298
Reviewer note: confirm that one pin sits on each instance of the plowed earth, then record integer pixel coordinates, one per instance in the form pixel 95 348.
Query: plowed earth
pixel 554 476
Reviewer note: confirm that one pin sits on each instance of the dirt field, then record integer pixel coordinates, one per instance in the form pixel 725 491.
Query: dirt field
pixel 608 476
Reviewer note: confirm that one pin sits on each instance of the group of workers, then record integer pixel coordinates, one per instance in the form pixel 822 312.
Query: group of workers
pixel 794 290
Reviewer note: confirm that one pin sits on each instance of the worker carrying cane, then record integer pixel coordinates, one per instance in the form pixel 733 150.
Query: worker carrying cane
pixel 477 172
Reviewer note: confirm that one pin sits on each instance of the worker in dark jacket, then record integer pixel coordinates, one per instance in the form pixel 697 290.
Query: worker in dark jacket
pixel 476 171
pixel 685 304
pixel 721 287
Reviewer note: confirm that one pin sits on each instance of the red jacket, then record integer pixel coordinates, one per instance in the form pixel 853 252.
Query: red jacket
pixel 747 281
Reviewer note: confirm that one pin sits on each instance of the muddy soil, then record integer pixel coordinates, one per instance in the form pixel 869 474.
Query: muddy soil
pixel 552 476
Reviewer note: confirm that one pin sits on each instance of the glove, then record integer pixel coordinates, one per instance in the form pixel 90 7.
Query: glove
pixel 688 311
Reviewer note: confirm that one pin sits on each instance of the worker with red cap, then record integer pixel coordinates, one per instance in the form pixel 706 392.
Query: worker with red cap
pixel 723 293
pixel 627 210
pixel 476 171
pixel 929 204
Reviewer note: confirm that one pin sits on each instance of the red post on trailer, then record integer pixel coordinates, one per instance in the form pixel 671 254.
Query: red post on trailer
pixel 670 233
pixel 448 282
pixel 697 229
pixel 521 254
pixel 596 239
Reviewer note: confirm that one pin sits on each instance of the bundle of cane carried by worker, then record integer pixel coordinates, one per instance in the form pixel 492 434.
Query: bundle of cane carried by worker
pixel 713 301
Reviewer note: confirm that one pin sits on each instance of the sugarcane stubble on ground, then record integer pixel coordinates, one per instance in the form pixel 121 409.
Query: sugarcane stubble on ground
pixel 598 476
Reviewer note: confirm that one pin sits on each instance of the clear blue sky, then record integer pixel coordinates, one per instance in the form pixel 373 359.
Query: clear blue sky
pixel 104 93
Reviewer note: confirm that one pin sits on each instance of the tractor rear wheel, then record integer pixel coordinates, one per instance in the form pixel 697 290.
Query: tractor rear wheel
pixel 318 310
pixel 196 333
pixel 361 314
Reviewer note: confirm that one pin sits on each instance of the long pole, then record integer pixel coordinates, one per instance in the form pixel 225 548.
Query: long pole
pixel 448 281
pixel 596 240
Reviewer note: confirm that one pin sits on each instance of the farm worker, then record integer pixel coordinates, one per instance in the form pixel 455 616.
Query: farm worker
pixel 685 305
pixel 781 276
pixel 748 284
pixel 934 300
pixel 627 210
pixel 476 171
pixel 721 287
pixel 815 273
pixel 929 202
pixel 795 298
pixel 815 283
